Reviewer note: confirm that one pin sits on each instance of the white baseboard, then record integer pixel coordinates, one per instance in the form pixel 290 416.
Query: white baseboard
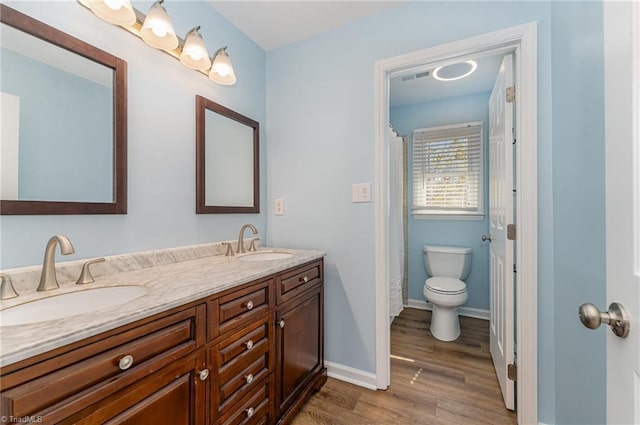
pixel 462 311
pixel 351 375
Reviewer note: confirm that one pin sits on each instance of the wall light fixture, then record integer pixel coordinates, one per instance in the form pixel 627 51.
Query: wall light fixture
pixel 156 30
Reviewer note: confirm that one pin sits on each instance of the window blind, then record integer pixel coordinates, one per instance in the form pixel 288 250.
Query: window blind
pixel 447 169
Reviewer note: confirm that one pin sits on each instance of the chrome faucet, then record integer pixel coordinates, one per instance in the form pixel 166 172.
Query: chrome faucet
pixel 6 287
pixel 48 279
pixel 241 249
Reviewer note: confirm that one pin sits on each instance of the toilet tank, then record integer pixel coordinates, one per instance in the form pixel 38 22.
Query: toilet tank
pixel 447 261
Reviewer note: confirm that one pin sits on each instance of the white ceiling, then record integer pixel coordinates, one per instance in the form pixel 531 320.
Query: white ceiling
pixel 273 24
pixel 426 89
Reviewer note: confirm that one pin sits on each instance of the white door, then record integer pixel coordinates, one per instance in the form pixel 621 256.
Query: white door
pixel 500 215
pixel 622 131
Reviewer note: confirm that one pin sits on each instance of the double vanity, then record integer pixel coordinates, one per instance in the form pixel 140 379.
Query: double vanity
pixel 177 336
pixel 205 334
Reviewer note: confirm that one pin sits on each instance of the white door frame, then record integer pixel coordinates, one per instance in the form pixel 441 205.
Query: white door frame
pixel 523 39
pixel 622 200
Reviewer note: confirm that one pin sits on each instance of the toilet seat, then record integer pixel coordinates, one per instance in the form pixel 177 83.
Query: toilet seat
pixel 445 285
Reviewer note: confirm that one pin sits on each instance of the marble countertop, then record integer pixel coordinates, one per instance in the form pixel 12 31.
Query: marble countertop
pixel 170 285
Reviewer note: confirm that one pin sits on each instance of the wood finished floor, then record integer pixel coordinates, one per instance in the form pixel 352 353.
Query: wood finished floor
pixel 432 382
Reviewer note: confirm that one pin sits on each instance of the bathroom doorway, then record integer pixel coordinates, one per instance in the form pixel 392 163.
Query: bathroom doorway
pixel 521 41
pixel 467 152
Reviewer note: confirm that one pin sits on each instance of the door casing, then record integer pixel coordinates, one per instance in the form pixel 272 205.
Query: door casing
pixel 523 40
pixel 622 201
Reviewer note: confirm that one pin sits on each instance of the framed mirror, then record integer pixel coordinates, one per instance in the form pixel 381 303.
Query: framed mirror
pixel 227 160
pixel 63 144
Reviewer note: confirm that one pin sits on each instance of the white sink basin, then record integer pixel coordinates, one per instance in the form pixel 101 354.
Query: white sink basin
pixel 265 256
pixel 71 304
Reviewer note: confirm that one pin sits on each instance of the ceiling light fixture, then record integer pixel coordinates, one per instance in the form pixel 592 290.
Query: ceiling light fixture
pixel 156 30
pixel 455 71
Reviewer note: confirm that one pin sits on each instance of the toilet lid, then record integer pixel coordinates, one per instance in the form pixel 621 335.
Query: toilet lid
pixel 446 285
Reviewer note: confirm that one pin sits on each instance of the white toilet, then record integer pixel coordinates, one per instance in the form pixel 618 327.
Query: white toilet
pixel 448 266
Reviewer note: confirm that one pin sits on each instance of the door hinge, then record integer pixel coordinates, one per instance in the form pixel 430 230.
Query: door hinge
pixel 510 94
pixel 512 372
pixel 511 232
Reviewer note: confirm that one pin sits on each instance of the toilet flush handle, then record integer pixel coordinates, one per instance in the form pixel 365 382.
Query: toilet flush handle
pixel 486 238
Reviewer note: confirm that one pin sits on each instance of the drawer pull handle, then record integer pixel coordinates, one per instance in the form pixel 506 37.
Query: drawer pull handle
pixel 250 412
pixel 125 362
pixel 281 323
pixel 249 344
pixel 249 305
pixel 304 279
pixel 203 374
pixel 249 378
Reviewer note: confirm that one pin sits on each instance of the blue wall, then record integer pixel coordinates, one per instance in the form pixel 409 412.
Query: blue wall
pixel 321 140
pixel 448 232
pixel 321 132
pixel 161 138
pixel 65 157
pixel 579 209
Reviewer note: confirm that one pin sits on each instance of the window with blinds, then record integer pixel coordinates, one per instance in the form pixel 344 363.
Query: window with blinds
pixel 447 170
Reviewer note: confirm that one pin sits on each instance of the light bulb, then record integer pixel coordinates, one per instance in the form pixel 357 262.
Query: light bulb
pixel 118 12
pixel 157 30
pixel 194 52
pixel 222 69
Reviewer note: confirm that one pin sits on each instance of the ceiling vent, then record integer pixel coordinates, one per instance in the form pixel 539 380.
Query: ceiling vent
pixel 414 76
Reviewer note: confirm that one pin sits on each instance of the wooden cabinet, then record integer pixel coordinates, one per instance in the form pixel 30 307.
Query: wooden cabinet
pixel 59 384
pixel 174 395
pixel 299 339
pixel 244 362
pixel 254 408
pixel 249 355
pixel 298 281
pixel 239 307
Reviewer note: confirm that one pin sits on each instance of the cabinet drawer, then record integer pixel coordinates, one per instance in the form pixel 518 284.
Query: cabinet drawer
pixel 245 343
pixel 297 281
pixel 254 408
pixel 92 372
pixel 247 352
pixel 235 385
pixel 169 396
pixel 237 308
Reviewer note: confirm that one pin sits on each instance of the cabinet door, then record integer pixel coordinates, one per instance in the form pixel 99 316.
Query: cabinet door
pixel 299 340
pixel 175 395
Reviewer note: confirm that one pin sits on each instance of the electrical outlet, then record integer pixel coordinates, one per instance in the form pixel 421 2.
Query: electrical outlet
pixel 279 207
pixel 361 192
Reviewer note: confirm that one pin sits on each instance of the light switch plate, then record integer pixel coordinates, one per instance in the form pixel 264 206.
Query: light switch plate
pixel 361 192
pixel 279 207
